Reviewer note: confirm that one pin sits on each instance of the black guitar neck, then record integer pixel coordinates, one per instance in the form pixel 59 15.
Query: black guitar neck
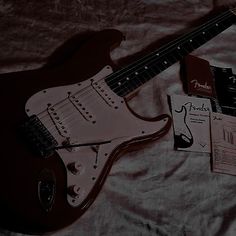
pixel 133 76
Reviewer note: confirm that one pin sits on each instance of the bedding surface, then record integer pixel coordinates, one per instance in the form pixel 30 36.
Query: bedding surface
pixel 153 190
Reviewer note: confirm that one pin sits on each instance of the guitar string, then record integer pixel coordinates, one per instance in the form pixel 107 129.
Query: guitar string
pixel 172 46
pixel 200 28
pixel 100 84
pixel 125 71
pixel 62 112
pixel 160 58
pixel 138 65
pixel 160 50
pixel 148 57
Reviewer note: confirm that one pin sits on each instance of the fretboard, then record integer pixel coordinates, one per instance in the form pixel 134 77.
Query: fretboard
pixel 126 80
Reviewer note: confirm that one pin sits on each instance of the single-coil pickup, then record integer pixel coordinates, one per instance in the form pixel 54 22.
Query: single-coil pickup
pixel 81 108
pixel 59 121
pixel 105 92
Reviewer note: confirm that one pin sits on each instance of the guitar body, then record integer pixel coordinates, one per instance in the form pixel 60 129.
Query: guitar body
pixel 90 125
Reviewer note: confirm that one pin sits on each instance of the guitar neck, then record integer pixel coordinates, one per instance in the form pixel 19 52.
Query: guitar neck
pixel 126 80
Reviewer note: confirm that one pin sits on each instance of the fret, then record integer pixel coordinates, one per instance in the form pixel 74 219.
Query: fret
pixel 213 31
pixel 219 27
pixel 187 46
pixel 148 73
pixel 135 81
pixel 196 43
pixel 144 77
pixel 130 84
pixel 181 50
pixel 200 38
pixel 153 71
pixel 156 69
pixel 170 58
pixel 138 78
pixel 133 76
pixel 207 35
pixel 176 55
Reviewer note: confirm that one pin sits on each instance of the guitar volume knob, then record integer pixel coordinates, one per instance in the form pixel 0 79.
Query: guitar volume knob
pixel 74 191
pixel 75 168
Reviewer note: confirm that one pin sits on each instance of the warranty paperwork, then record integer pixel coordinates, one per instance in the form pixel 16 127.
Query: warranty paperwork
pixel 223 137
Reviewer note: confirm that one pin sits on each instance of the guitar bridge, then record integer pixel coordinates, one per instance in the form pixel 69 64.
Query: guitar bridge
pixel 37 137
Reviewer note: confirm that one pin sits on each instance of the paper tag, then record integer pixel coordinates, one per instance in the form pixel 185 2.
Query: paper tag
pixel 223 134
pixel 191 123
pixel 200 81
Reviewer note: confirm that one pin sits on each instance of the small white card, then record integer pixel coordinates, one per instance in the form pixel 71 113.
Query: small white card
pixel 191 123
pixel 223 133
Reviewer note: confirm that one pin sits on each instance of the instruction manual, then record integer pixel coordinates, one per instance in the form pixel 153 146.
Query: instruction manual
pixel 191 123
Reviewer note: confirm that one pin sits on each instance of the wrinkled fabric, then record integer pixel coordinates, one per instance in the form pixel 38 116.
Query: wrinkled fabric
pixel 154 190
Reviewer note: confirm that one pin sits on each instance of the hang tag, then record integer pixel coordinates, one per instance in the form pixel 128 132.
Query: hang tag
pixel 191 123
pixel 199 78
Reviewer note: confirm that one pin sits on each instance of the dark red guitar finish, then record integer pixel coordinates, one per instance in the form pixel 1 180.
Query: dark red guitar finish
pixel 20 169
pixel 63 127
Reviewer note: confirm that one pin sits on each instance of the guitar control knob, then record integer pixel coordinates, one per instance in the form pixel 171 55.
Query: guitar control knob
pixel 75 168
pixel 74 191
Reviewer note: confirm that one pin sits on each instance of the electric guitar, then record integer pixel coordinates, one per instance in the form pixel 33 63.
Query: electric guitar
pixel 61 129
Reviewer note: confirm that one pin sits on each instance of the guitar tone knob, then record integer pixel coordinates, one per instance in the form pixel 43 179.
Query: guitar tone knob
pixel 74 191
pixel 75 168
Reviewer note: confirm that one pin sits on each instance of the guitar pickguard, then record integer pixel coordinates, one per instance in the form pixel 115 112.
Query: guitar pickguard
pixel 89 122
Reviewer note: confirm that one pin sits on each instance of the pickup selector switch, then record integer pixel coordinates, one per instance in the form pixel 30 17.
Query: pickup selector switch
pixel 74 191
pixel 75 168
